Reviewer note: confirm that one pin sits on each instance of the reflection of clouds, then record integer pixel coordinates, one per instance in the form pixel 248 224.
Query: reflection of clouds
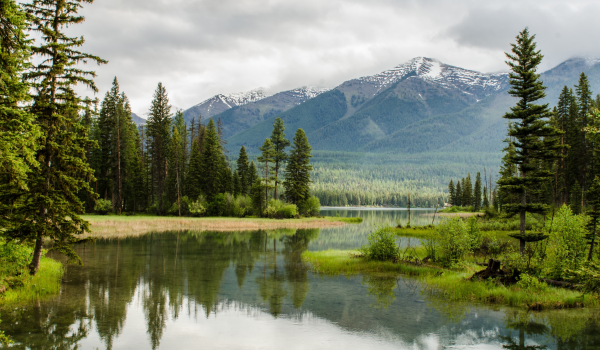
pixel 237 325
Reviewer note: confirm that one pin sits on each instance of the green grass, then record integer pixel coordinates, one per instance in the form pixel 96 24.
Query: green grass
pixel 450 285
pixel 355 220
pixel 44 284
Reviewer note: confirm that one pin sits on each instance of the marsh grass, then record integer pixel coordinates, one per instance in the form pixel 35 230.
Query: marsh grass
pixel 45 283
pixel 352 220
pixel 114 226
pixel 450 284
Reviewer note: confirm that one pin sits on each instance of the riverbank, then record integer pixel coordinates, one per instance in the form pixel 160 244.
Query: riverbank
pixel 26 288
pixel 115 226
pixel 451 284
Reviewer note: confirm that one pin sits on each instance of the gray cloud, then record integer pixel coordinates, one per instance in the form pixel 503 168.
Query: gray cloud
pixel 204 47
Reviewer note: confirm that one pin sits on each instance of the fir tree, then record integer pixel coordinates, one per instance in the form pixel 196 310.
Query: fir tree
pixel 237 184
pixel 18 133
pixel 451 192
pixel 297 173
pixel 458 195
pixel 159 126
pixel 194 175
pixel 51 207
pixel 477 193
pixel 252 173
pixel 265 159
pixel 211 163
pixel 594 213
pixel 585 104
pixel 467 190
pixel 242 168
pixel 533 135
pixel 280 143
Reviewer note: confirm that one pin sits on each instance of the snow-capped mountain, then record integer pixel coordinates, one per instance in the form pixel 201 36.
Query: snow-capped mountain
pixel 434 71
pixel 306 92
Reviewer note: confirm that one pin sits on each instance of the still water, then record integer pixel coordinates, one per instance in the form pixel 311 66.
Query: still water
pixel 251 290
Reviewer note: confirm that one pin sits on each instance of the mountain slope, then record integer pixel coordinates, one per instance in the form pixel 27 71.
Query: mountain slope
pixel 220 103
pixel 372 108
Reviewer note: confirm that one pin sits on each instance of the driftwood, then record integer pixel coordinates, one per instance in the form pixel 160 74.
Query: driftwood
pixel 561 284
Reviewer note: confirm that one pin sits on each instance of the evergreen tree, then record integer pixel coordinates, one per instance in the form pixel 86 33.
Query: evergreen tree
pixel 533 135
pixel 252 173
pixel 242 168
pixel 176 168
pixel 477 193
pixel 585 104
pixel 237 184
pixel 576 198
pixel 467 190
pixel 51 207
pixel 280 143
pixel 194 175
pixel 458 195
pixel 18 133
pixel 256 194
pixel 451 192
pixel 297 173
pixel 159 126
pixel 265 159
pixel 211 163
pixel 594 213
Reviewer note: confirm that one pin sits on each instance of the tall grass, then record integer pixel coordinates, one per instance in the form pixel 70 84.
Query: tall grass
pixel 44 284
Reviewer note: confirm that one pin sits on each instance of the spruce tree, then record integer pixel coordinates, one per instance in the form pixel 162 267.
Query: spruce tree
pixel 18 132
pixel 280 143
pixel 477 193
pixel 194 174
pixel 159 127
pixel 458 195
pixel 211 163
pixel 242 168
pixel 237 184
pixel 585 104
pixel 533 136
pixel 451 192
pixel 467 190
pixel 51 207
pixel 265 159
pixel 297 173
pixel 252 173
pixel 594 213
pixel 576 198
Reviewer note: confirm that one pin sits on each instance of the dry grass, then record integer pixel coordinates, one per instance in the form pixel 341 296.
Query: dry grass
pixel 461 215
pixel 113 226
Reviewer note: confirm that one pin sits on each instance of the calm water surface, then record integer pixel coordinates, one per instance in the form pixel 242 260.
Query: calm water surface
pixel 251 290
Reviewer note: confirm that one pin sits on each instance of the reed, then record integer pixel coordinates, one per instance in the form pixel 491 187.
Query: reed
pixel 114 226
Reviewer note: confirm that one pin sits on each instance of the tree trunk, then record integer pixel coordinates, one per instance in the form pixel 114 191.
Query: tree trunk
pixel 522 215
pixel 592 244
pixel 37 255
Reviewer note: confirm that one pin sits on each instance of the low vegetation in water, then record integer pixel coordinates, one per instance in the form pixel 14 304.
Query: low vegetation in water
pixel 352 220
pixel 17 286
pixel 552 273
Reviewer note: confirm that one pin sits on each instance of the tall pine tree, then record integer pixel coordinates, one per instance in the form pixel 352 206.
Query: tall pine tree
pixel 533 136
pixel 297 173
pixel 280 143
pixel 51 207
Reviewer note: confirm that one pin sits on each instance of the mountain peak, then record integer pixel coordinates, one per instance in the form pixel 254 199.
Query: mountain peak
pixel 434 71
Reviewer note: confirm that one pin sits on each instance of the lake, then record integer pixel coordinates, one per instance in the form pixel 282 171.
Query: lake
pixel 251 290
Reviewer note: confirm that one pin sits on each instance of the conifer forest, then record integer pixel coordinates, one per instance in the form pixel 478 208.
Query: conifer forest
pixel 251 205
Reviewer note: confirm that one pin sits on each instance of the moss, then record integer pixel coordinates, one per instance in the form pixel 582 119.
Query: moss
pixel 44 284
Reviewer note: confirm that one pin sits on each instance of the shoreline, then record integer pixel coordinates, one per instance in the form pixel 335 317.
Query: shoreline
pixel 114 226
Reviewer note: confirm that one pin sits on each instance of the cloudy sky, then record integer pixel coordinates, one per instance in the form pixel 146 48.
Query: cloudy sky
pixel 199 48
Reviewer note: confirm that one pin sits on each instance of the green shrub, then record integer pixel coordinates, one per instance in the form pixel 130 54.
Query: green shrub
pixel 279 209
pixel 454 240
pixel 198 208
pixel 588 276
pixel 382 245
pixel 103 206
pixel 310 207
pixel 527 282
pixel 474 233
pixel 567 246
pixel 431 248
pixel 242 205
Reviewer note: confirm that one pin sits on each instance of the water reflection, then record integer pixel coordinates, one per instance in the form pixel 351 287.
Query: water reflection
pixel 249 289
